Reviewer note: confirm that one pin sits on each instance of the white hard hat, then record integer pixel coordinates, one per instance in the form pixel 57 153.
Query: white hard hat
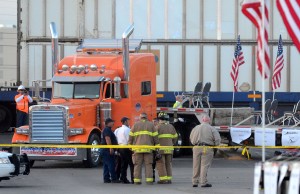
pixel 21 87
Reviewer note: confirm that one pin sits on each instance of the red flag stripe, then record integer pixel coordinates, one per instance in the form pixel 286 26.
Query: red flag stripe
pixel 290 13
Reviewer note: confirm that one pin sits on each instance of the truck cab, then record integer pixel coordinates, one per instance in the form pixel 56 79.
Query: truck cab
pixel 87 88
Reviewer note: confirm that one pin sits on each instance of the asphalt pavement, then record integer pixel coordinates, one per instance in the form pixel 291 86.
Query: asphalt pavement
pixel 226 176
pixel 229 173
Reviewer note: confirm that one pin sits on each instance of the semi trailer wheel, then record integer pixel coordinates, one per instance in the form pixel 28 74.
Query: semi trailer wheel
pixel 5 118
pixel 93 158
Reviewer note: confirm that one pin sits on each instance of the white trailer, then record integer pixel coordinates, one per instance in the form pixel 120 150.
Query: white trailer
pixel 193 39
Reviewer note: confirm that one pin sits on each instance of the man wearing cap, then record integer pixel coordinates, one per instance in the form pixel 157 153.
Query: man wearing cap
pixel 203 135
pixel 122 134
pixel 22 99
pixel 143 134
pixel 107 154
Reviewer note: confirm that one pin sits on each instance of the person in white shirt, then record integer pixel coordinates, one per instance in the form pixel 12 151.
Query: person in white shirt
pixel 122 134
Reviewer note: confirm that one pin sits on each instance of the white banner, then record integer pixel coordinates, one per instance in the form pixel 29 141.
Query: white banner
pixel 270 177
pixel 257 175
pixel 239 134
pixel 283 171
pixel 290 137
pixel 270 136
pixel 294 179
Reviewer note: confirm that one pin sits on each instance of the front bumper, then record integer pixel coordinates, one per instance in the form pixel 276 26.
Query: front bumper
pixel 81 154
pixel 6 170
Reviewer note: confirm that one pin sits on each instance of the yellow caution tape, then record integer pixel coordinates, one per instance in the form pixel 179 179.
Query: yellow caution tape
pixel 142 146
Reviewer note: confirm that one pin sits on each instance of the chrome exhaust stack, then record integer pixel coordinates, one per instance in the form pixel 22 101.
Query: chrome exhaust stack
pixel 125 46
pixel 54 47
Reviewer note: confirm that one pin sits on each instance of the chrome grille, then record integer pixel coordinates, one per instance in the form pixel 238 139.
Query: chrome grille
pixel 47 126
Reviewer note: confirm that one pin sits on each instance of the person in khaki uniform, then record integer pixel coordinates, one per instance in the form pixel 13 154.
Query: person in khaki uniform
pixel 167 136
pixel 203 135
pixel 143 133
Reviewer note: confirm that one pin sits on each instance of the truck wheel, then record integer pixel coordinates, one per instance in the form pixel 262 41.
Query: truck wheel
pixel 5 118
pixel 93 158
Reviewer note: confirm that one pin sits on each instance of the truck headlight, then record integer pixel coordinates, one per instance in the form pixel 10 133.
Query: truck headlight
pixel 75 131
pixel 22 131
pixel 4 161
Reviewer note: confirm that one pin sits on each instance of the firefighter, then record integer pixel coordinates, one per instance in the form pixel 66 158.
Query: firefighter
pixel 143 133
pixel 203 135
pixel 22 99
pixel 178 104
pixel 167 136
pixel 122 134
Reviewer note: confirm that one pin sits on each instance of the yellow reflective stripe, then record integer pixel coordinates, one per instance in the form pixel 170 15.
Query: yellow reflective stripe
pixel 137 180
pixel 167 136
pixel 163 178
pixel 169 178
pixel 149 179
pixel 142 150
pixel 143 133
pixel 167 151
pixel 157 144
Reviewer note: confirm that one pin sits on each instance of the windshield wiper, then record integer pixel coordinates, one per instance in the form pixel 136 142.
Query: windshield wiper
pixel 66 99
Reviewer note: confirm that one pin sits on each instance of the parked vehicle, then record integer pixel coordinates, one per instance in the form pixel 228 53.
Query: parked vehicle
pixel 12 165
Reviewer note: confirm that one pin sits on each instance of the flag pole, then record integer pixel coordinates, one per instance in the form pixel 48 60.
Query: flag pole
pixel 232 108
pixel 262 31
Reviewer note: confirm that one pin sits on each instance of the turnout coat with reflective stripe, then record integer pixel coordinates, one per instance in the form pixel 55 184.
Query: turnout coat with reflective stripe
pixel 143 133
pixel 167 136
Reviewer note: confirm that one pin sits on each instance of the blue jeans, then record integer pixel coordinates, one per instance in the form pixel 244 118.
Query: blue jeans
pixel 108 160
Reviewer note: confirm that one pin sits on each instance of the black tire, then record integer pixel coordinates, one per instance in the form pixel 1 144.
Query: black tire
pixel 93 158
pixel 5 118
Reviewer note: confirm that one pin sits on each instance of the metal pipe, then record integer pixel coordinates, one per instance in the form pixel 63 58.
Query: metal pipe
pixel 54 47
pixel 125 44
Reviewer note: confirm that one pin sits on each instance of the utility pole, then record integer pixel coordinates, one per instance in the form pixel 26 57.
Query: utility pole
pixel 19 36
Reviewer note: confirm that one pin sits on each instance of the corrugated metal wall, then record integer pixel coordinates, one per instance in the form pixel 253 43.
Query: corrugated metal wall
pixel 162 22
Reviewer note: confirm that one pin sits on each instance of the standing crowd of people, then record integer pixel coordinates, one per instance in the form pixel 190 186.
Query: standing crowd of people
pixel 145 133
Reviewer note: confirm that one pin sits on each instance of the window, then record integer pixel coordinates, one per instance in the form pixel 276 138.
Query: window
pixel 146 88
pixel 86 90
pixel 76 90
pixel 64 90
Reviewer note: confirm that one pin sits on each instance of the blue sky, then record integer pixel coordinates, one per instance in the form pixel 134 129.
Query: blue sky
pixel 8 12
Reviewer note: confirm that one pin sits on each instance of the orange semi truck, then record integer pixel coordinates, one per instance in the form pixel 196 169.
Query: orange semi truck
pixel 105 78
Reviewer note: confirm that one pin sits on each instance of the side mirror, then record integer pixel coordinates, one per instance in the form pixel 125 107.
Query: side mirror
pixel 117 88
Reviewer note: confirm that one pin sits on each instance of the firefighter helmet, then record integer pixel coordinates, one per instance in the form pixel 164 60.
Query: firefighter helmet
pixel 163 116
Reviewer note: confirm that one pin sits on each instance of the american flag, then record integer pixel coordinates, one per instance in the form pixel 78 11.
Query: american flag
pixel 238 60
pixel 252 10
pixel 290 13
pixel 276 78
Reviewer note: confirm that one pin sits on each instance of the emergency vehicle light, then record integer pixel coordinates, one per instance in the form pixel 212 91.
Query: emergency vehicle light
pixel 65 67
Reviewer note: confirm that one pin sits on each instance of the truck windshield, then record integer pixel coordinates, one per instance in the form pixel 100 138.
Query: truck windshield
pixel 76 90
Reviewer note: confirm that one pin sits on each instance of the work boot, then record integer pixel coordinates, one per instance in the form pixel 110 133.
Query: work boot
pixel 169 182
pixel 206 185
pixel 162 182
pixel 115 181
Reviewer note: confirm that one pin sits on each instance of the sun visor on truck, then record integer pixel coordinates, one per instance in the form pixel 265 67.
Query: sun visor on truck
pixel 78 79
pixel 105 45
